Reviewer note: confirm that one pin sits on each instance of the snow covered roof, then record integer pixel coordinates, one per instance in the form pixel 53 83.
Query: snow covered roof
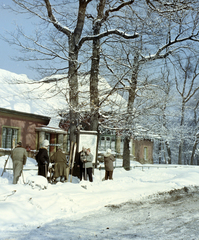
pixel 50 96
pixel 16 94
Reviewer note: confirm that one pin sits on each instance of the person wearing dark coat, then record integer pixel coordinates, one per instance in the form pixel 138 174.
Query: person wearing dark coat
pixel 42 159
pixel 108 163
pixel 19 157
pixel 79 162
pixel 59 158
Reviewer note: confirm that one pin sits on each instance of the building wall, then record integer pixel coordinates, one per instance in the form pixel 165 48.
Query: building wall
pixel 140 150
pixel 32 130
pixel 143 151
pixel 25 125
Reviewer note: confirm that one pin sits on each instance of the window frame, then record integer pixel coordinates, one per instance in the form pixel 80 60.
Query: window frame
pixel 145 153
pixel 12 143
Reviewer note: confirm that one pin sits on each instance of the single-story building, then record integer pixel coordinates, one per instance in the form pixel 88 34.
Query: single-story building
pixel 141 149
pixel 30 129
pixel 27 108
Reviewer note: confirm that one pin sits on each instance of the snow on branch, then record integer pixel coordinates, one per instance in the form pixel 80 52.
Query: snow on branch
pixel 158 54
pixel 175 6
pixel 123 4
pixel 107 33
pixel 51 16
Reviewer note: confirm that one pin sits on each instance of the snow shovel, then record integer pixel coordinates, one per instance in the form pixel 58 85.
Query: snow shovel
pixel 4 169
pixel 73 160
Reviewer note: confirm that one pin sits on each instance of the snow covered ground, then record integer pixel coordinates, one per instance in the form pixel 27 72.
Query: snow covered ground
pixel 143 203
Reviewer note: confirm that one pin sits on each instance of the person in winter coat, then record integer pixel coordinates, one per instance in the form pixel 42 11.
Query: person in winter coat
pixel 43 159
pixel 87 161
pixel 59 158
pixel 108 163
pixel 19 157
pixel 80 156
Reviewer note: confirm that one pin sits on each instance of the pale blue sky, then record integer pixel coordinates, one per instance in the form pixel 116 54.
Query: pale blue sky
pixel 8 22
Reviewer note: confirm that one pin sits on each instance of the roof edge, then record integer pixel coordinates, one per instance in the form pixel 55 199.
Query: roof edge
pixel 32 115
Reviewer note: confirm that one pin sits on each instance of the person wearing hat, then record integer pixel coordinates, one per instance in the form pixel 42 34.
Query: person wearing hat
pixel 108 163
pixel 42 159
pixel 60 166
pixel 19 158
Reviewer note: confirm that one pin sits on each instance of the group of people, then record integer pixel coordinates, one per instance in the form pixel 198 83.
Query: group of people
pixel 19 158
pixel 85 164
pixel 60 167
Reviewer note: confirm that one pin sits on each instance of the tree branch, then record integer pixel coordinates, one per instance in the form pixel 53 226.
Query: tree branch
pixel 169 7
pixel 105 34
pixel 54 21
pixel 157 54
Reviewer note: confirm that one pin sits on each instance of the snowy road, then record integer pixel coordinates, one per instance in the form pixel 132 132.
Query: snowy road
pixel 167 216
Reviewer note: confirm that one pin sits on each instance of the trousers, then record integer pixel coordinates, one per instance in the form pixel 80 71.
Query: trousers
pixel 17 170
pixel 109 175
pixel 89 172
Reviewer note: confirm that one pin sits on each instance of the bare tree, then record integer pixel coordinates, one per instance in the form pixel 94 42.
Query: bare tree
pixel 196 122
pixel 70 30
pixel 187 87
pixel 47 13
pixel 179 33
pixel 66 40
pixel 102 17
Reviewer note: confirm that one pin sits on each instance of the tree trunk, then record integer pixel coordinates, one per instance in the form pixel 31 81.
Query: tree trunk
pixel 131 99
pixel 181 140
pixel 126 153
pixel 94 78
pixel 193 151
pixel 160 151
pixel 94 94
pixel 168 151
pixel 73 39
pixel 73 84
pixel 180 153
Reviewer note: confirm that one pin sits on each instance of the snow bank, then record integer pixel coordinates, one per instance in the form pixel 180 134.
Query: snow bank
pixel 24 205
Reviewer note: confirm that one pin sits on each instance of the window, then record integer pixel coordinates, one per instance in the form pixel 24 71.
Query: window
pixel 113 143
pixel 47 136
pixel 145 153
pixel 9 137
pixel 108 139
pixel 101 143
pixel 108 142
